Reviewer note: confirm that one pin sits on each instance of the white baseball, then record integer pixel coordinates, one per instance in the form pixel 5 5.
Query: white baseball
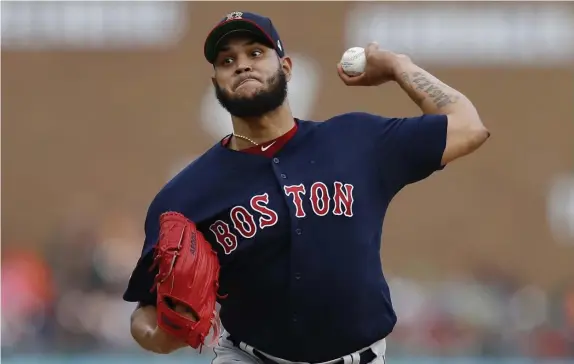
pixel 353 61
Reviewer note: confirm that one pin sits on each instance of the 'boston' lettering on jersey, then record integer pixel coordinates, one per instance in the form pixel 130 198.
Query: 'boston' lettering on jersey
pixel 245 223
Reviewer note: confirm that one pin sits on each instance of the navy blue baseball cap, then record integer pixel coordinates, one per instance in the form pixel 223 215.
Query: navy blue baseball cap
pixel 261 28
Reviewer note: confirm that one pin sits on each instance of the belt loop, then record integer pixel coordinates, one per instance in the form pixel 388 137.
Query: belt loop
pixel 380 347
pixel 356 357
pixel 243 346
pixel 347 359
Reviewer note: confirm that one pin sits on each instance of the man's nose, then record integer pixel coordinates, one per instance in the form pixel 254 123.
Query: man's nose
pixel 242 67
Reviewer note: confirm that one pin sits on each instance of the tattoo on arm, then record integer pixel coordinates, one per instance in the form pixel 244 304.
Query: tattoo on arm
pixel 417 97
pixel 426 87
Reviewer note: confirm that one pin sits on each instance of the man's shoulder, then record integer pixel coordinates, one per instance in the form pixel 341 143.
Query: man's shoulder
pixel 351 121
pixel 353 117
pixel 190 178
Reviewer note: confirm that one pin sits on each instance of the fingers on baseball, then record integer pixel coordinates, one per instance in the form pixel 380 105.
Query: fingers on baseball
pixel 181 308
pixel 348 80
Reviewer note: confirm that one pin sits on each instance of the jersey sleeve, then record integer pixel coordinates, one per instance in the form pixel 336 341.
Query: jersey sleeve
pixel 141 280
pixel 408 150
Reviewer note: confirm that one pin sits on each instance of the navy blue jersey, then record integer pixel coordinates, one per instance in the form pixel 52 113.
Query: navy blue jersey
pixel 298 235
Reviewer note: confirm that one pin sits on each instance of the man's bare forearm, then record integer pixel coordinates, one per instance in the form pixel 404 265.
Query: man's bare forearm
pixel 428 92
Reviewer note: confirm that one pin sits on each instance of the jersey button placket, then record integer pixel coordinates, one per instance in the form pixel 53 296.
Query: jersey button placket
pixel 297 275
pixel 297 282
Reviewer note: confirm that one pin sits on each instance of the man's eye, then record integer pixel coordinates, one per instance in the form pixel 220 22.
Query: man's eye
pixel 227 60
pixel 256 53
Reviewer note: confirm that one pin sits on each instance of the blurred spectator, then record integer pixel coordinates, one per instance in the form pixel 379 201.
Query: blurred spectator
pixel 27 297
pixel 68 299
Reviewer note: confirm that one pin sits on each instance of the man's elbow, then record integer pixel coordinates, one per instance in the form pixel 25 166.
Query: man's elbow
pixel 477 134
pixel 472 137
pixel 468 127
pixel 464 138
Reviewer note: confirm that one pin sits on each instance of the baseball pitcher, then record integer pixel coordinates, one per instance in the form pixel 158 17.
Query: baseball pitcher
pixel 280 222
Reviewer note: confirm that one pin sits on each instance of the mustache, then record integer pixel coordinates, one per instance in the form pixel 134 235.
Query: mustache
pixel 243 78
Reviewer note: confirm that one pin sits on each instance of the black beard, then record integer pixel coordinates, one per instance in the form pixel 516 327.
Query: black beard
pixel 259 104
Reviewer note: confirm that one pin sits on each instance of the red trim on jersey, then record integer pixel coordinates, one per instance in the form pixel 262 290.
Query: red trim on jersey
pixel 268 149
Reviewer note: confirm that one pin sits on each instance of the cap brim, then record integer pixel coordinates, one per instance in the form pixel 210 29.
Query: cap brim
pixel 220 32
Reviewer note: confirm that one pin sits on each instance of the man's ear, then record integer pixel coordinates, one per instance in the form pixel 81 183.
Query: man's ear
pixel 213 81
pixel 287 65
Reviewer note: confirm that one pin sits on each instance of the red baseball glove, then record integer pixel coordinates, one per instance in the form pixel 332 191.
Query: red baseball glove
pixel 188 276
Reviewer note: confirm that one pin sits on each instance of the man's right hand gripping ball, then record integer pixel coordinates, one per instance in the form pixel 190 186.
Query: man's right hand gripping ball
pixel 187 281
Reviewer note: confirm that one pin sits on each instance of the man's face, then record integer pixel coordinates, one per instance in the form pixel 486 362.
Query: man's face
pixel 250 80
